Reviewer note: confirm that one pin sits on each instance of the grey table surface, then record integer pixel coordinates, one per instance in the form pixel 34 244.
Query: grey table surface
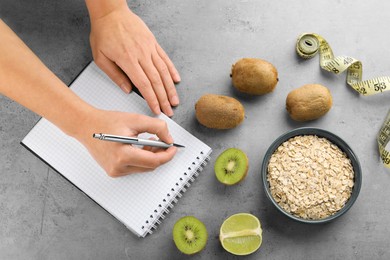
pixel 42 216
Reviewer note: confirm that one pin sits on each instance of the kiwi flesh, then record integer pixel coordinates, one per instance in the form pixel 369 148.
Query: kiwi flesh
pixel 190 235
pixel 231 166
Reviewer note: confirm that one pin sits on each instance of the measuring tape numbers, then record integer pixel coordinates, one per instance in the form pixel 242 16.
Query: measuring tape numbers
pixel 383 139
pixel 309 44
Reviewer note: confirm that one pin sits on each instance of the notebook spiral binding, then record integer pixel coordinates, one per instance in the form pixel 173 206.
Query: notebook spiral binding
pixel 181 186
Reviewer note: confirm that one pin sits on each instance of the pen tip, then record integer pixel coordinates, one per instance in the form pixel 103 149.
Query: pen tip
pixel 179 145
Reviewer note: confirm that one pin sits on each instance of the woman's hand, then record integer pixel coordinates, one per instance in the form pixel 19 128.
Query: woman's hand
pixel 126 50
pixel 119 159
pixel 41 91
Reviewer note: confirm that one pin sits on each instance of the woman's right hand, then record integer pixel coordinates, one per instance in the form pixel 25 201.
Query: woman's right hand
pixel 119 159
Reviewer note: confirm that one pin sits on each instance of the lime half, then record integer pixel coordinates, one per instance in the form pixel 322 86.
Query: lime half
pixel 241 234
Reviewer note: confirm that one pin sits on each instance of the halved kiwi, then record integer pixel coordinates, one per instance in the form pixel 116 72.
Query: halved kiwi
pixel 190 235
pixel 231 166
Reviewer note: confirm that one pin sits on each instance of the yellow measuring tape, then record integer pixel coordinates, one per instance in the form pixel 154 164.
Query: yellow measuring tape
pixel 383 139
pixel 309 44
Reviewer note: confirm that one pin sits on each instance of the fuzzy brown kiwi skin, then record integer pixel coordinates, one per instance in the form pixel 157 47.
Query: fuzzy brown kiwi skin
pixel 219 112
pixel 254 76
pixel 309 102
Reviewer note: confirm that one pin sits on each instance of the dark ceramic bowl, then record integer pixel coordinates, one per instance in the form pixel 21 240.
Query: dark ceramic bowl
pixel 335 140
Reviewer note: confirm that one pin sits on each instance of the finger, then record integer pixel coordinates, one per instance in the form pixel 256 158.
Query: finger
pixel 155 149
pixel 114 72
pixel 126 170
pixel 169 86
pixel 172 69
pixel 158 87
pixel 150 148
pixel 153 126
pixel 141 81
pixel 146 159
pixel 129 170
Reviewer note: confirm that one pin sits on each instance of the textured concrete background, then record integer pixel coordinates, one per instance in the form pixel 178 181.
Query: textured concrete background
pixel 42 216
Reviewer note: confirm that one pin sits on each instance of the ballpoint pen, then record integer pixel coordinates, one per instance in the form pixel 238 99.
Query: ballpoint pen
pixel 134 140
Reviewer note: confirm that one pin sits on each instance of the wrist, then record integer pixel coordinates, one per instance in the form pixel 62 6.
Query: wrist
pixel 78 124
pixel 100 8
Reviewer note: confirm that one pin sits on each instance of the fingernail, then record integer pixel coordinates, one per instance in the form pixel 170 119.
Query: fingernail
pixel 177 78
pixel 125 88
pixel 170 112
pixel 156 109
pixel 175 100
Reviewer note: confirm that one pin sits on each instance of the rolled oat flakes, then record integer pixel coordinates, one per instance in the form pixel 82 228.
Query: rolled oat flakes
pixel 310 177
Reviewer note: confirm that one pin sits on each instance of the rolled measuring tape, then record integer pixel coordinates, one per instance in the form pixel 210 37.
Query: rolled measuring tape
pixel 309 44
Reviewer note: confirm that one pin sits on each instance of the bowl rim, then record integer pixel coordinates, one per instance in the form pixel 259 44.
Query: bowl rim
pixel 335 139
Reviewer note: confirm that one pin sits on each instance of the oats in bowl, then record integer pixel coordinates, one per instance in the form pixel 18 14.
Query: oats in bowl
pixel 311 175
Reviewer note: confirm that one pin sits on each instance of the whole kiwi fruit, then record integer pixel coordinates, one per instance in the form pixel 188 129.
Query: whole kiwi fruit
pixel 308 102
pixel 254 76
pixel 219 112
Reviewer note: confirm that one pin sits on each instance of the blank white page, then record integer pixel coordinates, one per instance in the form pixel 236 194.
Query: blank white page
pixel 138 200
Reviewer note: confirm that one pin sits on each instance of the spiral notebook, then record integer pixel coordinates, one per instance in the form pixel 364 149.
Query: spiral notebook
pixel 139 201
